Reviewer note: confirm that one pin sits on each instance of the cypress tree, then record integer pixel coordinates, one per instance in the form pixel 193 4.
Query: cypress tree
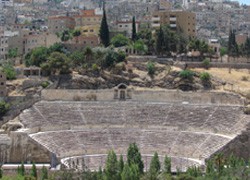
pixel 134 35
pixel 104 30
pixel 1 173
pixel 155 164
pixel 111 166
pixel 134 157
pixel 121 164
pixel 44 173
pixel 22 170
pixel 160 41
pixel 233 49
pixel 167 165
pixel 33 171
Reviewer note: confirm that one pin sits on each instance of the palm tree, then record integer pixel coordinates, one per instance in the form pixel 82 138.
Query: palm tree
pixel 88 54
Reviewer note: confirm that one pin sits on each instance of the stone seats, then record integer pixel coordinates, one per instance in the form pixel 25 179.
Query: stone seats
pixel 72 115
pixel 99 141
pixel 93 162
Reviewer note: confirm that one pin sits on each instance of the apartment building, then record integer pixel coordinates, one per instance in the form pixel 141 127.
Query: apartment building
pixel 183 21
pixel 126 26
pixel 59 23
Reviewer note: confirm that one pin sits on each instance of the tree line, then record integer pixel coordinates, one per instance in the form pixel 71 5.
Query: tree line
pixel 218 167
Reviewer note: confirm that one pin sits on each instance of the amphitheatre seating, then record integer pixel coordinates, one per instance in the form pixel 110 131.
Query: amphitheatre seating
pixel 72 115
pixel 98 141
pixel 188 133
pixel 93 162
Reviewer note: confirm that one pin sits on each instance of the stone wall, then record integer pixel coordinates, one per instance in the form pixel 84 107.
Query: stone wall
pixel 77 95
pixel 24 149
pixel 214 65
pixel 239 146
pixel 220 98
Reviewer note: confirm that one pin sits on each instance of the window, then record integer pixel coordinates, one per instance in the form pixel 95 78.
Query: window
pixel 2 83
pixel 120 25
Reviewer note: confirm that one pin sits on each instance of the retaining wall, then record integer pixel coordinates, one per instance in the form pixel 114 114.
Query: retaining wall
pixel 220 98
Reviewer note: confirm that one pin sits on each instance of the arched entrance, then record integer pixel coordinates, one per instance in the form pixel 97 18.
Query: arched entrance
pixel 122 92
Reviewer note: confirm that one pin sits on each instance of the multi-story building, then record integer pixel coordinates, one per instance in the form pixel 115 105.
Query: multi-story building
pixel 3 89
pixel 59 23
pixel 183 21
pixel 126 26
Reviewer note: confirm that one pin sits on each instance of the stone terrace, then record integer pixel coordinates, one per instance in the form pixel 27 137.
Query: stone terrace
pixel 99 141
pixel 190 131
pixel 48 116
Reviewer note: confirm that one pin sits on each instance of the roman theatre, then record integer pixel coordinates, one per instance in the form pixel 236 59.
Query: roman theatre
pixel 76 128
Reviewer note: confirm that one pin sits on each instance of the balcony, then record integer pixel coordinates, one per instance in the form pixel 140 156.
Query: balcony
pixel 172 18
pixel 155 19
pixel 173 25
pixel 155 25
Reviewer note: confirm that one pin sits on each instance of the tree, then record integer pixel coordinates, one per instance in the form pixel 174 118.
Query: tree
pixel 12 52
pixel 167 165
pixel 21 170
pixel 1 172
pixel 65 35
pixel 130 172
pixel 76 33
pixel 246 51
pixel 9 71
pixel 33 171
pixel 104 30
pixel 134 157
pixel 119 40
pixel 4 107
pixel 121 163
pixel 160 42
pixel 57 47
pixel 77 58
pixel 57 63
pixel 44 173
pixel 233 49
pixel 88 53
pixel 37 56
pixel 151 68
pixel 111 167
pixel 223 52
pixel 146 36
pixel 155 164
pixel 134 36
pixel 140 46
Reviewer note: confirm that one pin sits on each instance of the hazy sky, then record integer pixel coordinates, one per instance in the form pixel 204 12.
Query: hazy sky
pixel 244 2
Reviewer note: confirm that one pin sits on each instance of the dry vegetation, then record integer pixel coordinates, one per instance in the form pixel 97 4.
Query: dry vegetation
pixel 237 81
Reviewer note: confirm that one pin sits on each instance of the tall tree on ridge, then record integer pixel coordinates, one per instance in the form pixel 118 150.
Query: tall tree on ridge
pixel 134 36
pixel 104 29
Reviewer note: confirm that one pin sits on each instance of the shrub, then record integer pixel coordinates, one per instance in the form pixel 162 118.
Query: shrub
pixel 206 63
pixel 244 78
pixel 151 68
pixel 4 107
pixel 186 74
pixel 95 67
pixel 9 71
pixel 45 84
pixel 205 77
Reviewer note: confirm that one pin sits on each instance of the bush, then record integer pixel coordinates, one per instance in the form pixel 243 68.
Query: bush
pixel 4 107
pixel 151 68
pixel 95 67
pixel 205 77
pixel 244 78
pixel 206 63
pixel 9 71
pixel 45 84
pixel 186 74
pixel 119 40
